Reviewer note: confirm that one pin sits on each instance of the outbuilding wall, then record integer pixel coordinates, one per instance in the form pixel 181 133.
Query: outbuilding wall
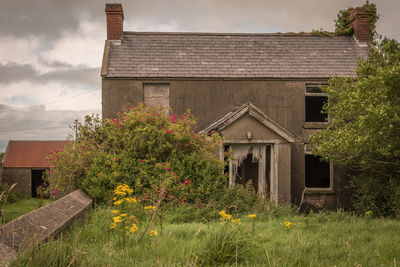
pixel 21 176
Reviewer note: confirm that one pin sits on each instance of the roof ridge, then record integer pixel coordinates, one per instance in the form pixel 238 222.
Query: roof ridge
pixel 229 34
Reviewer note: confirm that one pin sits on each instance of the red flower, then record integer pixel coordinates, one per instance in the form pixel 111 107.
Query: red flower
pixel 144 197
pixel 115 159
pixel 187 181
pixel 170 196
pixel 197 200
pixel 167 169
pixel 180 183
pixel 182 200
pixel 54 191
pixel 199 206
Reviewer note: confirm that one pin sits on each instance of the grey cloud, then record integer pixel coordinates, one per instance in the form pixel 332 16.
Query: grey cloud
pixel 46 18
pixel 13 72
pixel 49 18
pixel 81 75
pixel 37 123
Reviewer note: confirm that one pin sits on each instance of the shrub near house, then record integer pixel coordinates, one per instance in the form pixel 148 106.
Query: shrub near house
pixel 142 148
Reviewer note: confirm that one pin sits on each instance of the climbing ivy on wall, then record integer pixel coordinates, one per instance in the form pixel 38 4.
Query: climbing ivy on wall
pixel 343 21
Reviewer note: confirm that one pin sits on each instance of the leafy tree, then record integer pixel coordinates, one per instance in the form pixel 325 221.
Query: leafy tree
pixel 143 147
pixel 364 130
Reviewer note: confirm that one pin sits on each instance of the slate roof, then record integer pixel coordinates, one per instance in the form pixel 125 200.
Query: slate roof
pixel 217 55
pixel 30 154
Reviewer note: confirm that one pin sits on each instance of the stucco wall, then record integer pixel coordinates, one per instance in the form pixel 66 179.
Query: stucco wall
pixel 21 176
pixel 281 100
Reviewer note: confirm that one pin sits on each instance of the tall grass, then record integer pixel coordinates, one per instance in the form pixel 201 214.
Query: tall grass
pixel 323 239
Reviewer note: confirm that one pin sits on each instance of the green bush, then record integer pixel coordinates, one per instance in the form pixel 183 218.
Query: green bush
pixel 376 193
pixel 239 199
pixel 143 148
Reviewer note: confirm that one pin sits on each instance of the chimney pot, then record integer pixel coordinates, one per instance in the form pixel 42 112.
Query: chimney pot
pixel 360 24
pixel 115 21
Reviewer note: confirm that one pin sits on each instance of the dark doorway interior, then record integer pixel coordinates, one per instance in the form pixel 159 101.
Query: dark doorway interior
pixel 37 180
pixel 249 171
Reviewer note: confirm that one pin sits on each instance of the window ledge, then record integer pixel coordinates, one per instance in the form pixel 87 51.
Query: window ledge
pixel 316 125
pixel 319 191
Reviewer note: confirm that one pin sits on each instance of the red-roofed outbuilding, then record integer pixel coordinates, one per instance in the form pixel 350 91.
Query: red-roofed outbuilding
pixel 25 161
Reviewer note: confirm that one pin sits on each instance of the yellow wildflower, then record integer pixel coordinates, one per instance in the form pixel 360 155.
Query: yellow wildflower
pixel 123 214
pixel 153 233
pixel 368 212
pixel 287 224
pixel 150 208
pixel 130 200
pixel 225 215
pixel 123 190
pixel 133 228
pixel 113 225
pixel 115 212
pixel 117 219
pixel 118 202
pixel 236 221
pixel 252 216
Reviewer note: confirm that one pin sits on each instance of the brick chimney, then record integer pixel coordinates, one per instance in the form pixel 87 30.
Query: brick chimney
pixel 360 24
pixel 115 21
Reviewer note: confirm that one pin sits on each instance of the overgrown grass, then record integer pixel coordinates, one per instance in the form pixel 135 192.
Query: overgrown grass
pixel 323 239
pixel 21 207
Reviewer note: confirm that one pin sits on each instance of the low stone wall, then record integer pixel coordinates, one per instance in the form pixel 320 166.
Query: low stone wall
pixel 41 224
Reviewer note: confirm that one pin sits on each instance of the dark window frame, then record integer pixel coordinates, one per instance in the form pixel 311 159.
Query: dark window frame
pixel 308 153
pixel 315 99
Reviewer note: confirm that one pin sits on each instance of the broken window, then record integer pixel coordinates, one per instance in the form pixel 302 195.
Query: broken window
pixel 317 172
pixel 315 100
pixel 156 94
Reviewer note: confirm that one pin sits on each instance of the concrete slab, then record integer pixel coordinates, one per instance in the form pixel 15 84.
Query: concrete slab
pixel 41 224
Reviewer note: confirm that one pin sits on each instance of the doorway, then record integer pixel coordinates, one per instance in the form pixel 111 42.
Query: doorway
pixel 251 163
pixel 37 180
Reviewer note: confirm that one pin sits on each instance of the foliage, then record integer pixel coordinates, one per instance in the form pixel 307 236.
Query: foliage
pixel 142 148
pixel 322 32
pixel 343 21
pixel 320 239
pixel 364 130
pixel 226 244
pixel 239 199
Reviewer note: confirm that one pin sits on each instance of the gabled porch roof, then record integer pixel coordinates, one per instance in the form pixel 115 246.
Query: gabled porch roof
pixel 257 114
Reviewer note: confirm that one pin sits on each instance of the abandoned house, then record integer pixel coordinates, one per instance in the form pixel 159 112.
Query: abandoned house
pixel 259 91
pixel 25 162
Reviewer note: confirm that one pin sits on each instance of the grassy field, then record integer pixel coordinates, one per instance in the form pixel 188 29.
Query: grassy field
pixel 18 208
pixel 323 239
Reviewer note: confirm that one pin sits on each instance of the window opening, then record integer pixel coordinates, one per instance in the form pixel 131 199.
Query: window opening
pixel 317 172
pixel 314 101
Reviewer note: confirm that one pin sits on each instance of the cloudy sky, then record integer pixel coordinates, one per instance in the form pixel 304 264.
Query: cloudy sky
pixel 51 50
